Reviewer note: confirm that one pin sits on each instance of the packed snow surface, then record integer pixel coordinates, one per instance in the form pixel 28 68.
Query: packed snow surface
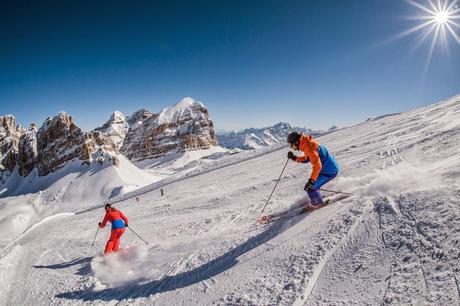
pixel 395 241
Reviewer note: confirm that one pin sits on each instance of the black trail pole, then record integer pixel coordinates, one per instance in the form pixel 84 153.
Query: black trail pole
pixel 138 235
pixel 275 186
pixel 95 235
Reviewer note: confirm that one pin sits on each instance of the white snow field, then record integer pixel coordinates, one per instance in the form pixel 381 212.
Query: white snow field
pixel 395 242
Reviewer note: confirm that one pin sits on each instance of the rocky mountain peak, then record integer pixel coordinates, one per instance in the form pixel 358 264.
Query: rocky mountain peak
pixel 27 152
pixel 115 129
pixel 9 142
pixel 139 117
pixel 184 126
pixel 143 135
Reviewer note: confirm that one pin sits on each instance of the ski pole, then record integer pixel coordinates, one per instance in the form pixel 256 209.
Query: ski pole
pixel 95 235
pixel 274 187
pixel 138 235
pixel 333 191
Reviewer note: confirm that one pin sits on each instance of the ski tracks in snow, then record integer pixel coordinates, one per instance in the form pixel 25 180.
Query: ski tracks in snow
pixel 291 280
pixel 422 243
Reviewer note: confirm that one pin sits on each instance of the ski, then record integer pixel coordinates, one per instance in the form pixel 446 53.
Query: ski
pixel 292 213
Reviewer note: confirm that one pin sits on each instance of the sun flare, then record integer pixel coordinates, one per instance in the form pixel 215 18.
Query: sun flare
pixel 436 19
pixel 442 17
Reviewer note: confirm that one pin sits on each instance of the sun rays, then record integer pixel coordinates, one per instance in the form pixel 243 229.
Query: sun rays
pixel 438 21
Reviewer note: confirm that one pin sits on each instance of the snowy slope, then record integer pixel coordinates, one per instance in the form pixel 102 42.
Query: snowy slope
pixel 182 162
pixel 395 242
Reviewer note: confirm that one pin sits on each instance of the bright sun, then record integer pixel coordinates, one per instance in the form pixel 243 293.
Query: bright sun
pixel 442 17
pixel 436 18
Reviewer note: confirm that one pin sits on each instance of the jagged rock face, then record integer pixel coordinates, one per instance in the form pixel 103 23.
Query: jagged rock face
pixel 185 126
pixel 114 130
pixel 59 140
pixel 27 153
pixel 9 142
pixel 101 148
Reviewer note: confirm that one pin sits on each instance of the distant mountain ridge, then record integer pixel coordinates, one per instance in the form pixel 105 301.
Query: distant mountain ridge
pixel 254 138
pixel 143 135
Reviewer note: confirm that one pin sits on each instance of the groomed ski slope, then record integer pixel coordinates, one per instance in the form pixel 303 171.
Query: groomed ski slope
pixel 396 242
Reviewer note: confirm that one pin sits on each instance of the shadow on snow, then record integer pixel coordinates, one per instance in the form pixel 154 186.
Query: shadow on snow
pixel 84 270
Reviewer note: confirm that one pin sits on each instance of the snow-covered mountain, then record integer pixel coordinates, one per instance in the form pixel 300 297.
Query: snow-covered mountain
pixel 182 127
pixel 144 135
pixel 255 138
pixel 115 129
pixel 393 242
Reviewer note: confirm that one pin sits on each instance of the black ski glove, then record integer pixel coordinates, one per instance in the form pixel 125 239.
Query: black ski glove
pixel 292 156
pixel 310 185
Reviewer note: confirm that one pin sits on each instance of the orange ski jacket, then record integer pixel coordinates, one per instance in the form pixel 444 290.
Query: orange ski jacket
pixel 309 147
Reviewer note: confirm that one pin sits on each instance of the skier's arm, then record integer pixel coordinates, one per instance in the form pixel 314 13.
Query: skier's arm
pixel 104 222
pixel 302 159
pixel 124 218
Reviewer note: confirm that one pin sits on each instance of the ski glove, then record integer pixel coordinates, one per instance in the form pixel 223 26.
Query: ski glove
pixel 310 185
pixel 292 156
pixel 100 224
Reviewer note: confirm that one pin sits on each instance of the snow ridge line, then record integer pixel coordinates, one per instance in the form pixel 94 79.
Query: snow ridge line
pixel 319 268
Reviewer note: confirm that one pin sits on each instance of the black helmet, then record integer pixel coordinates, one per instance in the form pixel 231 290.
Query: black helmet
pixel 108 205
pixel 293 137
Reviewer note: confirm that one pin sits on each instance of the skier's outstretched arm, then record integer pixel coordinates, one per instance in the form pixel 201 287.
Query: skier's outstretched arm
pixel 104 222
pixel 125 219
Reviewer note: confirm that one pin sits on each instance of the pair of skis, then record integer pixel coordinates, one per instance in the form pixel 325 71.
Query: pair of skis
pixel 291 213
pixel 298 211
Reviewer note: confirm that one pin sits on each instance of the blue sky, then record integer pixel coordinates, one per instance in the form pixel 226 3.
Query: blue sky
pixel 253 63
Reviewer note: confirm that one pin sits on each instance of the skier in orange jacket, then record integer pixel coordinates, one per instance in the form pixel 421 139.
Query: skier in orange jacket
pixel 119 222
pixel 324 166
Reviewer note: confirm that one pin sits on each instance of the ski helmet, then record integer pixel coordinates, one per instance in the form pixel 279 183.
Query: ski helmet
pixel 293 137
pixel 108 206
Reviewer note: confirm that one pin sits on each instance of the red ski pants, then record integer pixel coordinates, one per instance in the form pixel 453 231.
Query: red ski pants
pixel 114 241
